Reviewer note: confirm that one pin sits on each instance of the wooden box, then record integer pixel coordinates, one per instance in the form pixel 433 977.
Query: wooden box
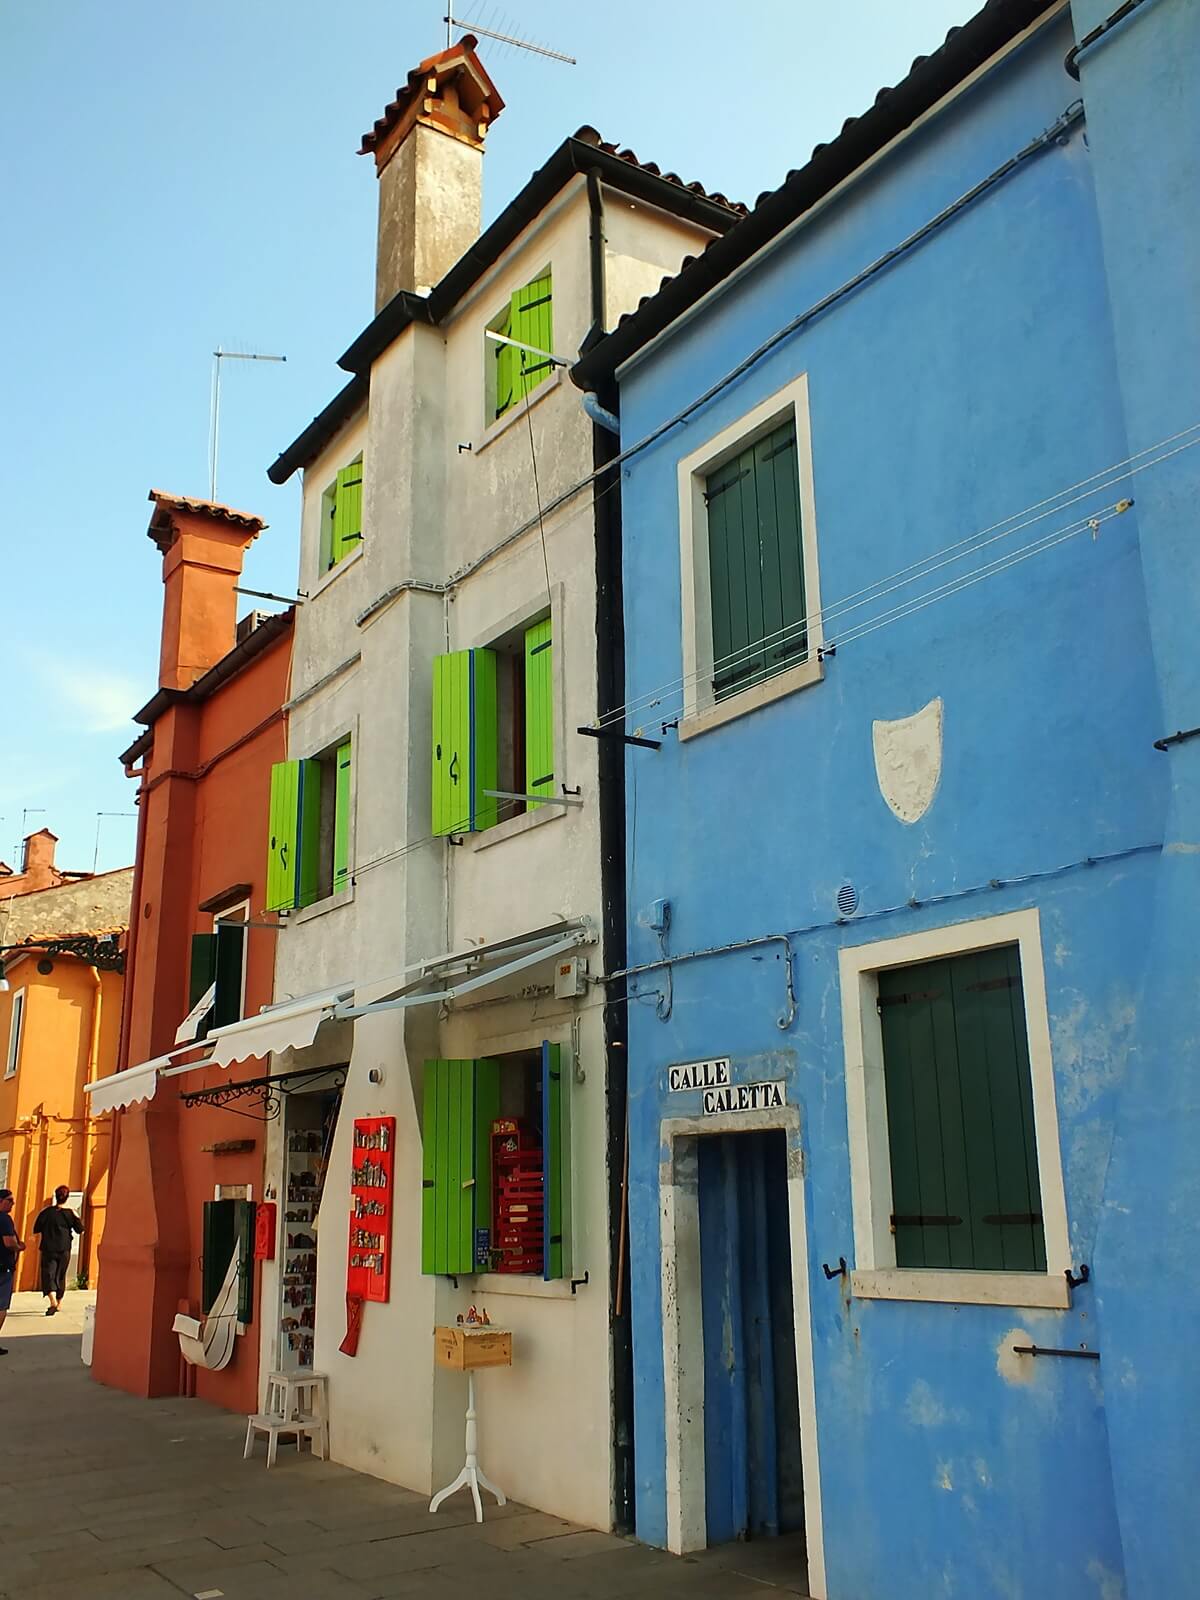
pixel 460 1348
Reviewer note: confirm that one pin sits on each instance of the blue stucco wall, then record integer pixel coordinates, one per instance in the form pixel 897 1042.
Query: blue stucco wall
pixel 971 380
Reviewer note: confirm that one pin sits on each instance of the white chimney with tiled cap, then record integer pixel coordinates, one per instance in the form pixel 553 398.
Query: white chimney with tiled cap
pixel 428 149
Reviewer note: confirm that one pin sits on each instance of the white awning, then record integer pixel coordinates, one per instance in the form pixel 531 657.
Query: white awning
pixel 136 1083
pixel 443 978
pixel 290 1025
pixel 190 1025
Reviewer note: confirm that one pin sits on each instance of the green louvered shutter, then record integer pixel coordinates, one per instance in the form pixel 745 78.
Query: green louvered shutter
pixel 531 322
pixel 283 853
pixel 756 564
pixel 539 710
pixel 309 842
pixel 218 1244
pixel 230 941
pixel 505 357
pixel 243 1223
pixel 202 972
pixel 556 1165
pixel 346 534
pixel 341 816
pixel 465 741
pixel 461 1100
pixel 965 1186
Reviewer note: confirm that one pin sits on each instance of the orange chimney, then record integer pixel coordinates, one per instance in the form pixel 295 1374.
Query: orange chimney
pixel 37 862
pixel 428 149
pixel 203 546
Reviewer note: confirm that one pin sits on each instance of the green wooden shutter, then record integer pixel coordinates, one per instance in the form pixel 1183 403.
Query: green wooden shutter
pixel 965 1188
pixel 461 1100
pixel 539 710
pixel 346 533
pixel 230 940
pixel 308 805
pixel 556 1165
pixel 531 322
pixel 756 565
pixel 505 357
pixel 283 854
pixel 466 748
pixel 203 970
pixel 341 816
pixel 244 1231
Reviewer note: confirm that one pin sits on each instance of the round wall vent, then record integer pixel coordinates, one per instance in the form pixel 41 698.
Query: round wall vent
pixel 847 900
pixel 45 966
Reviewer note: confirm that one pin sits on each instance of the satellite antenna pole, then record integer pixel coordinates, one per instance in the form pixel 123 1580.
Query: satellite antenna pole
pixel 503 38
pixel 214 420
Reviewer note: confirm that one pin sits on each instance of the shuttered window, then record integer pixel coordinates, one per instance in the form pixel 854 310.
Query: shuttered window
pixel 308 854
pixel 756 563
pixel 529 320
pixel 230 958
pixel 228 1229
pixel 465 743
pixel 341 516
pixel 965 1189
pixel 461 1101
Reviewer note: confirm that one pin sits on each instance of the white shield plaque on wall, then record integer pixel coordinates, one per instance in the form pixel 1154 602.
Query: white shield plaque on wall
pixel 908 760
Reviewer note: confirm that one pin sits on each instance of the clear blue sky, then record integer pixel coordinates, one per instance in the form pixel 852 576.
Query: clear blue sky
pixel 182 175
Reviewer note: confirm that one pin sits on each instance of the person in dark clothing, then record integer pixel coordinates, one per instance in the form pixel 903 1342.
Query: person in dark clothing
pixel 10 1250
pixel 54 1226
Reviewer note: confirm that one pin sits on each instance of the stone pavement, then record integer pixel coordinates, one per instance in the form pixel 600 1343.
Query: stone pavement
pixel 103 1495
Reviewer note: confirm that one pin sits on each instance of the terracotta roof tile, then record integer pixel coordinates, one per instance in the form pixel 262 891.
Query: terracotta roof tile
pixel 447 61
pixel 589 135
pixel 205 508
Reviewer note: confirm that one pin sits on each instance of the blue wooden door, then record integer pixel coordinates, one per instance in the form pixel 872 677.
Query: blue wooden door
pixel 751 1417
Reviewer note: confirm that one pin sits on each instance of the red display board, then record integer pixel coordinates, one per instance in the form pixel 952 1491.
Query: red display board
pixel 517 1198
pixel 266 1226
pixel 368 1273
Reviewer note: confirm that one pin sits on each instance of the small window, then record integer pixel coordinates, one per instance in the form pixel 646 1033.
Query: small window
pixel 341 516
pixel 756 563
pixel 496 1165
pixel 515 369
pixel 493 730
pixel 15 1026
pixel 217 975
pixel 308 856
pixel 4 1169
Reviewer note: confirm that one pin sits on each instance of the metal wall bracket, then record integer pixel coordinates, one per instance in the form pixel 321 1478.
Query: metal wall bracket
pixel 581 1283
pixel 626 738
pixel 1073 1282
pixel 1046 1350
pixel 835 1272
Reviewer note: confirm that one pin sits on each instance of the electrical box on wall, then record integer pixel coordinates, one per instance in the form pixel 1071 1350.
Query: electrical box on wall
pixel 570 978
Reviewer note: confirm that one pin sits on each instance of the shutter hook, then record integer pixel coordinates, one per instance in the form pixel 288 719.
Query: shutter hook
pixel 1085 1273
pixel 835 1272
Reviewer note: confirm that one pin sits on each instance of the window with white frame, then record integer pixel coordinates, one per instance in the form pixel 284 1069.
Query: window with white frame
pixel 954 1151
pixel 4 1169
pixel 751 605
pixel 15 1028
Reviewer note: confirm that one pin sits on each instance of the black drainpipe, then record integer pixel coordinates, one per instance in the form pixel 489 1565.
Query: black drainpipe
pixel 610 686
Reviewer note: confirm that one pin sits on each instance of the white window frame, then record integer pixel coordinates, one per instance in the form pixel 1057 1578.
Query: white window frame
pixel 876 1275
pixel 701 710
pixel 16 1027
pixel 4 1158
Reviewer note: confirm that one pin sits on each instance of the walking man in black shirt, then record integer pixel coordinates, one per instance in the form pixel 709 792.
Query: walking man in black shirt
pixel 10 1250
pixel 54 1226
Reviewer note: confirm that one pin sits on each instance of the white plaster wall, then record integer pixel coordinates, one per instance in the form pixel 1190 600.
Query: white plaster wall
pixel 429 510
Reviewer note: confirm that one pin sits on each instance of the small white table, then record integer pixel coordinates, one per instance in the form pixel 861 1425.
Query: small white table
pixel 463 1349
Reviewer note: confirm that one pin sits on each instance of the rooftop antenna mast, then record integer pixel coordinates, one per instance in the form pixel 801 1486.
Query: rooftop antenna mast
pixel 214 420
pixel 452 22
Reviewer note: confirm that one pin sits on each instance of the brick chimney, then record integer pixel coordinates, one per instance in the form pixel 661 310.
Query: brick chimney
pixel 37 863
pixel 428 149
pixel 203 545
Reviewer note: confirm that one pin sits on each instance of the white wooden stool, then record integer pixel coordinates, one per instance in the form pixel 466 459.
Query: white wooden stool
pixel 297 1394
pixel 266 1422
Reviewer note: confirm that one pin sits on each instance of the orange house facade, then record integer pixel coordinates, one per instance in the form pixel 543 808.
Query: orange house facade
pixel 63 940
pixel 200 952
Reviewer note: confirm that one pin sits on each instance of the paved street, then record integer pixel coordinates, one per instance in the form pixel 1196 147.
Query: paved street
pixel 103 1495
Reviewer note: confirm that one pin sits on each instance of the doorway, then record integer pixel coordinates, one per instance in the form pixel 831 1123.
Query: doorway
pixel 753 1479
pixel 309 1123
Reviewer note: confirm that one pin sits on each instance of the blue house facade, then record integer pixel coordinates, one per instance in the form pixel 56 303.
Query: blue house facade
pixel 909 531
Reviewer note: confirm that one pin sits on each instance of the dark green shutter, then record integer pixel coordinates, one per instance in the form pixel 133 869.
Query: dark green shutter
pixel 465 741
pixel 556 1165
pixel 228 1226
pixel 283 852
pixel 539 710
pixel 244 1230
pixel 341 816
pixel 230 954
pixel 505 357
pixel 203 971
pixel 756 563
pixel 461 1100
pixel 965 1188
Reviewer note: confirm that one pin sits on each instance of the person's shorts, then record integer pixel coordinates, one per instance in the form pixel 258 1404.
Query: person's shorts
pixel 6 1290
pixel 54 1274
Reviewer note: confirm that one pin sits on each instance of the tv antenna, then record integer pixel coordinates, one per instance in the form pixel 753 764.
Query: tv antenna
pixel 214 419
pixel 452 22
